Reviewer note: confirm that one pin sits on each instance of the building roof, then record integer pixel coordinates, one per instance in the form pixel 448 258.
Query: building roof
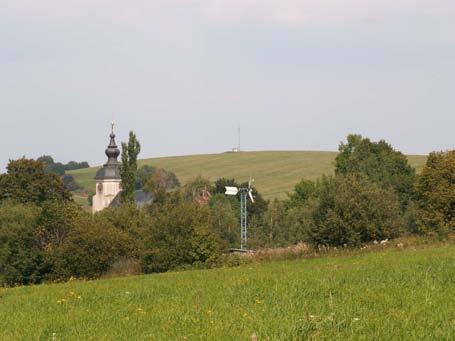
pixel 141 198
pixel 108 172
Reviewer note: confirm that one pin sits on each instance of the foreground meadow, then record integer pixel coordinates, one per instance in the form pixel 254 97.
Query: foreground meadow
pixel 407 294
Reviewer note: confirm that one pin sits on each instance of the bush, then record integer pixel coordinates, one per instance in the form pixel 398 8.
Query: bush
pixel 352 210
pixel 89 250
pixel 21 259
pixel 435 194
pixel 180 234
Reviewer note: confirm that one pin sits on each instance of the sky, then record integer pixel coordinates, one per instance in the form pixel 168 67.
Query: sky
pixel 184 74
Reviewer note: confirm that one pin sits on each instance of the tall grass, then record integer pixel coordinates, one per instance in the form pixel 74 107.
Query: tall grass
pixel 388 295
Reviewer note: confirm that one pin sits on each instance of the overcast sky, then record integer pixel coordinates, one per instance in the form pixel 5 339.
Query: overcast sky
pixel 296 75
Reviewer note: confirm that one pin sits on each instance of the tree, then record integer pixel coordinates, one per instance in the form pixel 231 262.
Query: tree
pixel 21 258
pixel 46 159
pixel 50 166
pixel 26 181
pixel 70 183
pixel 353 210
pixel 256 209
pixel 303 191
pixel 159 176
pixel 180 234
pixel 435 194
pixel 90 248
pixel 128 169
pixel 379 162
pixel 73 165
pixel 225 219
pixel 221 183
pixel 57 219
pixel 143 174
pixel 198 190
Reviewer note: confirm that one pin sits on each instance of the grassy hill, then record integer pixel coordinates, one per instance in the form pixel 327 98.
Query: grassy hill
pixel 391 295
pixel 275 172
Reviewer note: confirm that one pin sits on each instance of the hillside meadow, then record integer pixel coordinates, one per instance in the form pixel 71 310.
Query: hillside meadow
pixel 275 172
pixel 388 295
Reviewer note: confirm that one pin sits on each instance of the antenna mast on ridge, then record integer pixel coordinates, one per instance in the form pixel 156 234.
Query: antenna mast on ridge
pixel 239 138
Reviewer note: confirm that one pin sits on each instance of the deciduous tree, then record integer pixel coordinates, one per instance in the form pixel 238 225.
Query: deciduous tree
pixel 128 169
pixel 435 194
pixel 26 181
pixel 379 162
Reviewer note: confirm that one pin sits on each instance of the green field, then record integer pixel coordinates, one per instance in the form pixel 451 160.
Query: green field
pixel 275 173
pixel 390 295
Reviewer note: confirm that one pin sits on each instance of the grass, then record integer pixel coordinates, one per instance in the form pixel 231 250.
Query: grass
pixel 275 172
pixel 390 295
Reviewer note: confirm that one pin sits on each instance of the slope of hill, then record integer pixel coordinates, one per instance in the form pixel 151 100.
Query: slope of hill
pixel 391 295
pixel 275 172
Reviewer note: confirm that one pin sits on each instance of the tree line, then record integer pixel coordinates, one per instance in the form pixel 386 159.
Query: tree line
pixel 374 194
pixel 60 169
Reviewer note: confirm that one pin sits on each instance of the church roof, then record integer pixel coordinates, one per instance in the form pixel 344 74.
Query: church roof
pixel 108 172
pixel 111 170
pixel 141 198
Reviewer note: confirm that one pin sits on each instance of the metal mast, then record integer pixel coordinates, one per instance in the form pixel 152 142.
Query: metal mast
pixel 239 139
pixel 244 194
pixel 243 218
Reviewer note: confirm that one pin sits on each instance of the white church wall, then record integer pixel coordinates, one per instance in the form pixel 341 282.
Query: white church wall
pixel 106 191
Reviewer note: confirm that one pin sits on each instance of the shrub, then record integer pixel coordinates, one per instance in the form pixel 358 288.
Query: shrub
pixel 352 210
pixel 89 250
pixel 21 259
pixel 180 234
pixel 435 194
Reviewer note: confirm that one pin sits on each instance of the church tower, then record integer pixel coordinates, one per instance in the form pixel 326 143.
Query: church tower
pixel 108 180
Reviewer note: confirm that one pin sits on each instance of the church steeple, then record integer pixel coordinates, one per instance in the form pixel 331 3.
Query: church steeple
pixel 112 151
pixel 111 170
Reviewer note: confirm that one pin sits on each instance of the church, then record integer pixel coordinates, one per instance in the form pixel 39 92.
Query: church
pixel 109 182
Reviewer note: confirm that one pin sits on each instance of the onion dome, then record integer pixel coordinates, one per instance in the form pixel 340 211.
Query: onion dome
pixel 112 151
pixel 111 170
